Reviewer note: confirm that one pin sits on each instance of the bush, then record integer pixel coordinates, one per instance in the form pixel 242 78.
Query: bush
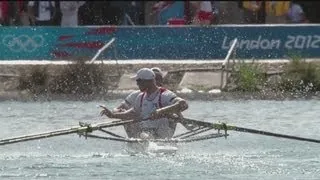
pixel 249 77
pixel 79 78
pixel 35 81
pixel 300 76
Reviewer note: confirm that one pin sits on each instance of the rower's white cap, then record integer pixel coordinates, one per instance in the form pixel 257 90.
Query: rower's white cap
pixel 144 73
pixel 157 70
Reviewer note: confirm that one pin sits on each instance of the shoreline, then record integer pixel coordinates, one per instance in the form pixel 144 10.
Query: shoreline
pixel 11 71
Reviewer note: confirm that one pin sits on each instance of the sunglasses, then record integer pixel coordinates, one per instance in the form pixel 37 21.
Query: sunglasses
pixel 142 80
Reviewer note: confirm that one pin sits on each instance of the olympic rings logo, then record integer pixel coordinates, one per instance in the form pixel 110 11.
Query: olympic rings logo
pixel 23 43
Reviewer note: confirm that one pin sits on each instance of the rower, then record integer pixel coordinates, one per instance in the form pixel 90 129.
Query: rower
pixel 129 100
pixel 127 103
pixel 152 106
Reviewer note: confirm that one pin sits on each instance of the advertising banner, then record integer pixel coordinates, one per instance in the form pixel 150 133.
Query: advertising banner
pixel 160 42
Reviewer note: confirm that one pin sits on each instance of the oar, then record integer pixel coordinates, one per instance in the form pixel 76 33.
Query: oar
pixel 78 129
pixel 223 126
pixel 177 117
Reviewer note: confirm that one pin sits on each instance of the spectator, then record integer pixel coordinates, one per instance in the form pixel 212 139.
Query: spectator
pixel 86 13
pixel 69 10
pixel 261 14
pixel 102 12
pixel 311 10
pixel 277 11
pixel 19 13
pixel 116 12
pixel 132 12
pixel 56 20
pixel 150 15
pixel 230 12
pixel 170 12
pixel 24 18
pixel 296 14
pixel 4 13
pixel 216 11
pixel 250 11
pixel 41 12
pixel 204 12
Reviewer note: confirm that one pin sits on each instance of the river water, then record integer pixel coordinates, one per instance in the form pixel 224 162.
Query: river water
pixel 240 156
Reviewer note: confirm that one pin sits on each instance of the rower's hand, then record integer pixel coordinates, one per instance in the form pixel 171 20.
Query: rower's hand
pixel 156 115
pixel 120 110
pixel 106 112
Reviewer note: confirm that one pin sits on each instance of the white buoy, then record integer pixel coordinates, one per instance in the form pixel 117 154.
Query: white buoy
pixel 214 91
pixel 185 90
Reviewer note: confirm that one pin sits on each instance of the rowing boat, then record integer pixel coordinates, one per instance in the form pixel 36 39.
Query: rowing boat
pixel 195 130
pixel 192 133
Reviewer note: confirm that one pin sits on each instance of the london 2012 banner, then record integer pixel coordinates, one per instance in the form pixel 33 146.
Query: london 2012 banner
pixel 160 42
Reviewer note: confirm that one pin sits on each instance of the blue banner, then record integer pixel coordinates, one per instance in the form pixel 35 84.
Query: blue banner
pixel 162 42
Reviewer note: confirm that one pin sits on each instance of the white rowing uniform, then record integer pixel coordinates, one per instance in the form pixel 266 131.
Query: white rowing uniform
pixel 144 105
pixel 131 98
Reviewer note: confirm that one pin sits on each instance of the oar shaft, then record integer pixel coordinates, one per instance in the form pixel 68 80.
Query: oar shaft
pixel 33 137
pixel 254 131
pixel 193 121
pixel 78 129
pixel 247 130
pixel 41 135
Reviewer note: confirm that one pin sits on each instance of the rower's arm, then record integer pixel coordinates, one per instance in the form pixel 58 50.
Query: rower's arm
pixel 178 106
pixel 128 102
pixel 121 108
pixel 126 115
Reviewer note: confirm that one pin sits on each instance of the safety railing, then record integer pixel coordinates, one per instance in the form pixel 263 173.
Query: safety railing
pixel 226 63
pixel 108 45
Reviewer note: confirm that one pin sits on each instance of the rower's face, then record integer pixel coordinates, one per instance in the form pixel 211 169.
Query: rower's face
pixel 159 80
pixel 143 84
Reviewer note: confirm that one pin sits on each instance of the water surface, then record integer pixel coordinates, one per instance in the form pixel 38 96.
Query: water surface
pixel 240 156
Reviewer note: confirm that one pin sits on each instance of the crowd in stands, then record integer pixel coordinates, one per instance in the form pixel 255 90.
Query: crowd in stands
pixel 79 13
